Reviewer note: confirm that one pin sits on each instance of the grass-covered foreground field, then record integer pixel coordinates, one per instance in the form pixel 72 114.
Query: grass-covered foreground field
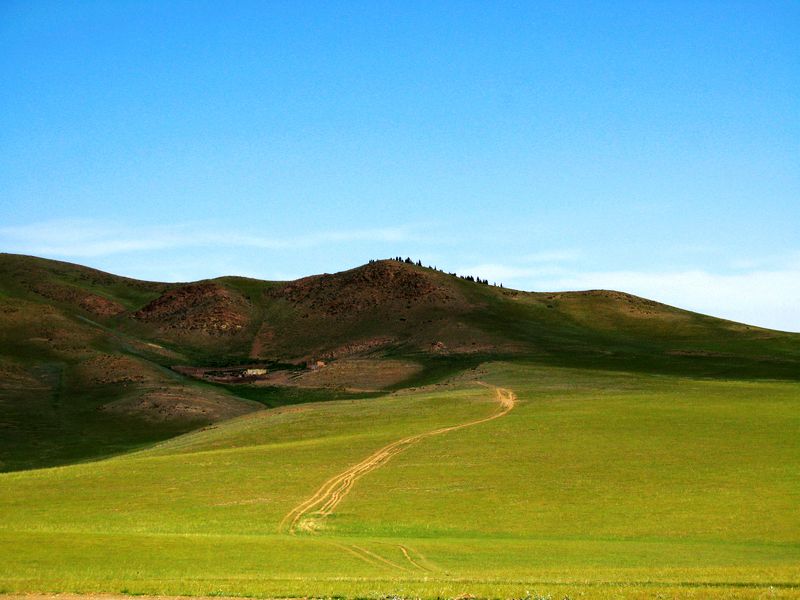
pixel 594 484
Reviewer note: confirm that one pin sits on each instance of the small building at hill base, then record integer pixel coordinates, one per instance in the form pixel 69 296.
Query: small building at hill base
pixel 254 372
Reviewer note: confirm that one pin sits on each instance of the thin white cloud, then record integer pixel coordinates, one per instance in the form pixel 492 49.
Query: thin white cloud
pixel 695 249
pixel 88 238
pixel 763 291
pixel 789 261
pixel 537 264
pixel 551 256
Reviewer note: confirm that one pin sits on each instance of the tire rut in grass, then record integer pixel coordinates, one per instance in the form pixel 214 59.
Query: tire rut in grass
pixel 307 515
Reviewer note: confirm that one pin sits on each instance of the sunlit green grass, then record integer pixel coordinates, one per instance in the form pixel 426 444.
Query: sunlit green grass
pixel 602 484
pixel 597 456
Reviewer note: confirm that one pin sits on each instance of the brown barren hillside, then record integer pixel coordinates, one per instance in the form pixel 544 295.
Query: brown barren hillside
pixel 383 284
pixel 205 307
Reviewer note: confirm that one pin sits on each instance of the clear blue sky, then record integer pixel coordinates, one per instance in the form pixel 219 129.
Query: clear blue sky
pixel 647 146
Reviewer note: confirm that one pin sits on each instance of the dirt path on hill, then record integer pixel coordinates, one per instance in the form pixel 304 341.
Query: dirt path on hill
pixel 324 501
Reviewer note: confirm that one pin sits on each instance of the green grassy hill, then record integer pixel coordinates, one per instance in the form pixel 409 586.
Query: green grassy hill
pixel 86 357
pixel 73 384
pixel 460 439
pixel 597 484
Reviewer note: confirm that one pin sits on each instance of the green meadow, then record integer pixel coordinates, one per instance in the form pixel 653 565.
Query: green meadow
pixel 598 484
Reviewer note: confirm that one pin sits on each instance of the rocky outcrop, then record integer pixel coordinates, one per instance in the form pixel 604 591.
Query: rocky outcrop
pixel 382 283
pixel 197 307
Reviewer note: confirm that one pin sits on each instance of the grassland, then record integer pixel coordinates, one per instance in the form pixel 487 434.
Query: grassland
pixel 651 452
pixel 598 484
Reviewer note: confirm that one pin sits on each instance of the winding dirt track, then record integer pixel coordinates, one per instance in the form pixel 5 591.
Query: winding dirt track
pixel 325 500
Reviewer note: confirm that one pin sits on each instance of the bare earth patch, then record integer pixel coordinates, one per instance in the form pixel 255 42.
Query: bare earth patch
pixel 116 369
pixel 201 307
pixel 358 374
pixel 168 404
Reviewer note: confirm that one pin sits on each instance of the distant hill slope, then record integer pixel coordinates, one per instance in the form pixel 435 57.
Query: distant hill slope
pixel 85 356
pixel 393 308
